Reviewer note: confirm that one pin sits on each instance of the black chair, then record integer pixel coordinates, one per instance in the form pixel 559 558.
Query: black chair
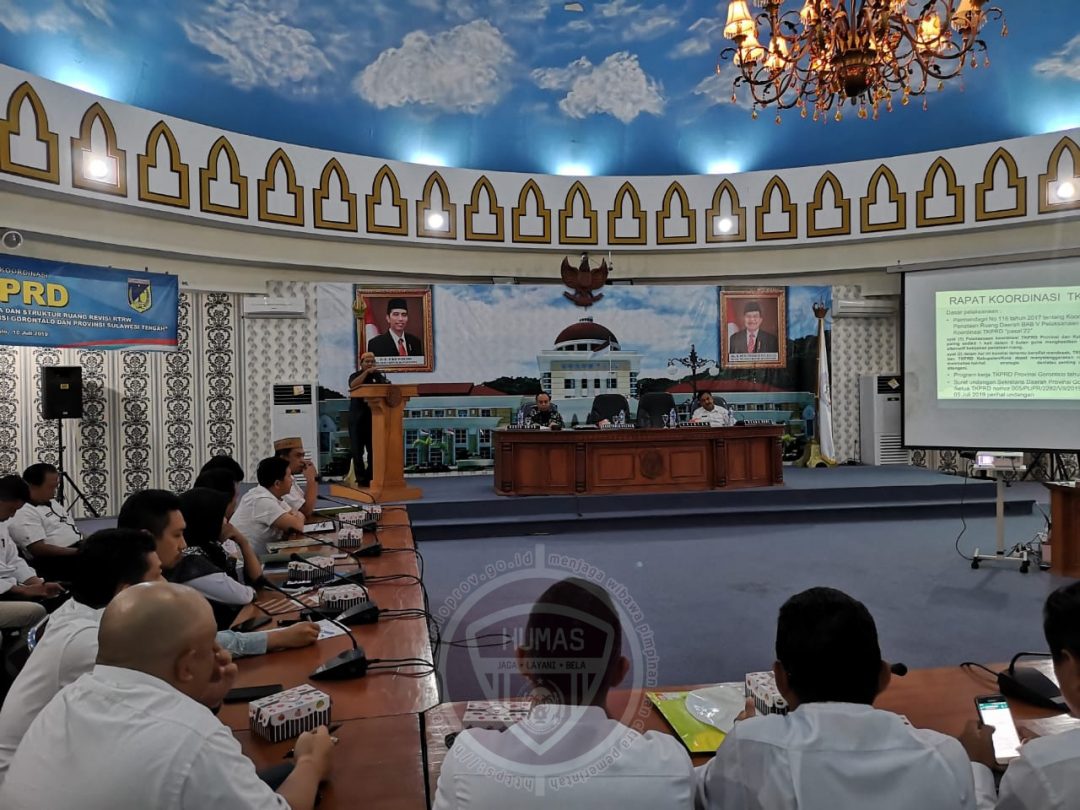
pixel 607 406
pixel 653 407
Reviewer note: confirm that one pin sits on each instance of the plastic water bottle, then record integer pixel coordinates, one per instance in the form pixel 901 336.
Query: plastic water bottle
pixel 674 417
pixel 621 420
pixel 521 417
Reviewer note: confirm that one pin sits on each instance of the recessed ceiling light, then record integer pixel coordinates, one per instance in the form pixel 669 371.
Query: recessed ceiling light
pixel 722 224
pixel 723 167
pixel 96 168
pixel 1066 190
pixel 573 170
pixel 436 220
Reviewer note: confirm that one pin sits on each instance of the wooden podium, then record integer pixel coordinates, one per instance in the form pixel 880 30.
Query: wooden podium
pixel 1065 530
pixel 387 403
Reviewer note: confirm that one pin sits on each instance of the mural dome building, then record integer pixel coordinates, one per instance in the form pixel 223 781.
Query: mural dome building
pixel 587 360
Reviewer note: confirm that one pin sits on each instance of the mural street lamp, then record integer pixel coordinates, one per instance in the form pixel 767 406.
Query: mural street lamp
pixel 692 362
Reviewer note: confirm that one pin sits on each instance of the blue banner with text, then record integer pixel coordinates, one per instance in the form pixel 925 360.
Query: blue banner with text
pixel 46 303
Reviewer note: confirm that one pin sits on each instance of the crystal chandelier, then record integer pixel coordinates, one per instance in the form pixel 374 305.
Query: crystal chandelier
pixel 865 51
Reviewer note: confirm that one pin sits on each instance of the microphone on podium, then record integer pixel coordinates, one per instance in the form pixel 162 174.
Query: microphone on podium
pixel 365 612
pixel 349 664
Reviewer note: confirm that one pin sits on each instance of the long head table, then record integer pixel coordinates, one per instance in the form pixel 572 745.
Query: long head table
pixel 565 462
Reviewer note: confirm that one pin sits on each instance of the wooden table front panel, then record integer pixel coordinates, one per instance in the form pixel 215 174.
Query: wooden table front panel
pixel 647 460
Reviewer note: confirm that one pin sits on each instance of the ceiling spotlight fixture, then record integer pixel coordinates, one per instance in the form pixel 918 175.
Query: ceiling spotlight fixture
pixel 96 168
pixel 1066 190
pixel 436 220
pixel 722 224
pixel 863 51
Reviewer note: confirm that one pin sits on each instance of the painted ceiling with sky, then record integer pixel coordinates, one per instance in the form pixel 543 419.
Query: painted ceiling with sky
pixel 624 87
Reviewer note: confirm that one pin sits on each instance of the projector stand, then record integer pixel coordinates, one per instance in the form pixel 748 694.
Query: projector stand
pixel 1000 556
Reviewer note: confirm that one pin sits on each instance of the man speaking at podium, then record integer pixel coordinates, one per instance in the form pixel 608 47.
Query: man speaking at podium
pixel 395 341
pixel 360 417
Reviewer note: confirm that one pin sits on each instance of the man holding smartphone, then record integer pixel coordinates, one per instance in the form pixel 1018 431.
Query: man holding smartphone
pixel 1046 774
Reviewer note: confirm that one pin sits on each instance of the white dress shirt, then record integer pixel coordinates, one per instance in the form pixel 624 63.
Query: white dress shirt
pixel 49 522
pixel 294 498
pixel 14 570
pixel 67 651
pixel 717 417
pixel 119 739
pixel 1046 776
pixel 255 515
pixel 834 756
pixel 486 769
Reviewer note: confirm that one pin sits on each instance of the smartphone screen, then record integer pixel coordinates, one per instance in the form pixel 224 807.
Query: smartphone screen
pixel 994 711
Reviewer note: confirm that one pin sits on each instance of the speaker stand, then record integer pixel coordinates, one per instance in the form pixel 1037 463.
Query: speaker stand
pixel 79 495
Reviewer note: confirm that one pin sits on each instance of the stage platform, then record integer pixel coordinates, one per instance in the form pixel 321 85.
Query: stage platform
pixel 466 506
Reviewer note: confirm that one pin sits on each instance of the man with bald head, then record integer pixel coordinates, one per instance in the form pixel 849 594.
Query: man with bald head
pixel 159 672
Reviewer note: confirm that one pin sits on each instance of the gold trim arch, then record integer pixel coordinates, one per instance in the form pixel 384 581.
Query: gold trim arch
pixel 1014 181
pixel 397 201
pixel 423 205
pixel 472 208
pixel 786 207
pixel 738 213
pixel 817 205
pixel 12 125
pixel 209 173
pixel 149 160
pixel 664 214
pixel 636 212
pixel 1053 175
pixel 82 148
pixel 531 187
pixel 952 189
pixel 897 197
pixel 321 194
pixel 268 183
pixel 567 213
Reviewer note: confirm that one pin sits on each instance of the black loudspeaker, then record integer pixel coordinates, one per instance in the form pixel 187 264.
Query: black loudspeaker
pixel 61 392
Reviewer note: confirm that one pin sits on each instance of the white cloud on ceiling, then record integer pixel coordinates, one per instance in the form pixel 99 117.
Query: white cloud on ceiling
pixel 21 16
pixel 460 70
pixel 618 86
pixel 717 87
pixel 256 45
pixel 704 37
pixel 1065 63
pixel 99 8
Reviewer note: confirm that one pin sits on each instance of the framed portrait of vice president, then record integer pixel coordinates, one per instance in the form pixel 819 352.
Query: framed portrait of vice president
pixel 396 326
pixel 753 331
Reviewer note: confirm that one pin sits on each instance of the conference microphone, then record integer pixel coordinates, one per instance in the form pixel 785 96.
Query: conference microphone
pixel 365 612
pixel 348 664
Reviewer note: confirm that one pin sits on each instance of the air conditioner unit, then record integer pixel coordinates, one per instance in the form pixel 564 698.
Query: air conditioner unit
pixel 265 306
pixel 880 415
pixel 865 308
pixel 295 412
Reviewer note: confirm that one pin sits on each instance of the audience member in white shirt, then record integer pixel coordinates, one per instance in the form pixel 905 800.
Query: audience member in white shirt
pixel 710 413
pixel 138 731
pixel 262 516
pixel 42 528
pixel 568 752
pixel 302 499
pixel 1046 775
pixel 833 751
pixel 20 586
pixel 158 513
pixel 110 561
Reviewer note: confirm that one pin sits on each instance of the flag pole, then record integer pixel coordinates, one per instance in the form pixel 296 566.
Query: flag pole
pixel 822 446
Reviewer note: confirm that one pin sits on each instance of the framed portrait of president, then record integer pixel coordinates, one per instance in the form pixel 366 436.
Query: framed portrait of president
pixel 396 326
pixel 753 330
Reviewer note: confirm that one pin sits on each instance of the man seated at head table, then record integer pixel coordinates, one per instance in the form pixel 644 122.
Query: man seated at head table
pixel 577 754
pixel 299 498
pixel 159 513
pixel 21 589
pixel 833 750
pixel 709 413
pixel 1046 775
pixel 42 528
pixel 138 730
pixel 109 561
pixel 262 515
pixel 543 413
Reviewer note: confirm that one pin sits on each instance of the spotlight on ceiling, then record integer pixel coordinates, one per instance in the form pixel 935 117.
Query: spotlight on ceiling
pixel 436 220
pixel 573 170
pixel 428 159
pixel 722 224
pixel 96 168
pixel 1066 190
pixel 723 167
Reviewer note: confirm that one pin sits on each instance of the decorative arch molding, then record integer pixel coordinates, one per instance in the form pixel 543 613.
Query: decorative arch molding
pixel 374 199
pixel 12 125
pixel 578 190
pixel 531 188
pixel 897 197
pixel 637 213
pixel 775 184
pixel 423 206
pixel 817 205
pixel 1053 176
pixel 472 209
pixel 952 189
pixel 321 194
pixel 1015 182
pixel 664 214
pixel 149 160
pixel 209 174
pixel 268 183
pixel 738 213
pixel 82 151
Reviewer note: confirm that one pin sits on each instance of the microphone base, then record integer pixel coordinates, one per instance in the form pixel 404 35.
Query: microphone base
pixel 349 664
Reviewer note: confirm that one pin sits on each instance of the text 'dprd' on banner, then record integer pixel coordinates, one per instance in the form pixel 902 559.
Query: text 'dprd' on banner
pixel 45 303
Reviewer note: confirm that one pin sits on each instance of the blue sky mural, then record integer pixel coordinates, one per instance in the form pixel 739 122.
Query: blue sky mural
pixel 620 87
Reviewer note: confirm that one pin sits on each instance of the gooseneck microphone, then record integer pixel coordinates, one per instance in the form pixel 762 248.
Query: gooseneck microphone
pixel 349 664
pixel 365 612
